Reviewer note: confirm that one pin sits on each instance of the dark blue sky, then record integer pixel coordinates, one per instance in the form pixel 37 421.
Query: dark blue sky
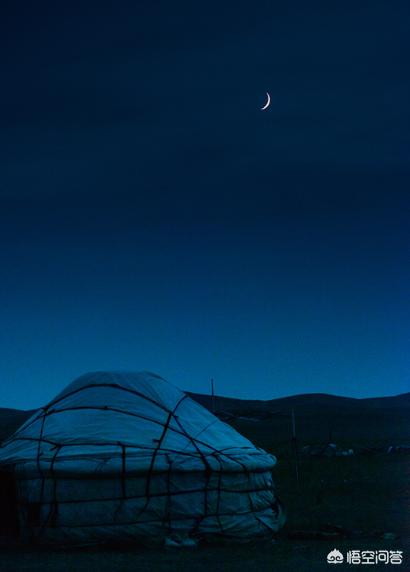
pixel 152 217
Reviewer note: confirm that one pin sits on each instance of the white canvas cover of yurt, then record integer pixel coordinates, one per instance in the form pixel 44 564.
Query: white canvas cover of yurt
pixel 129 457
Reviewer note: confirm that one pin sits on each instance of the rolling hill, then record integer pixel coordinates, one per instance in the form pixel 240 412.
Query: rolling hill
pixel 319 418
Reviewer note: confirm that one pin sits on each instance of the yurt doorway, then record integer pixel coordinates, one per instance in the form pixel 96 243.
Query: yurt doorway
pixel 9 524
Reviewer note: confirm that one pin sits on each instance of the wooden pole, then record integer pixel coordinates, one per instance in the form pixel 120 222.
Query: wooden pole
pixel 213 395
pixel 293 425
pixel 295 447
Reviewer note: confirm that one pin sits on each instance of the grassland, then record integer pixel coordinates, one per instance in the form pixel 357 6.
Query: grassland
pixel 358 502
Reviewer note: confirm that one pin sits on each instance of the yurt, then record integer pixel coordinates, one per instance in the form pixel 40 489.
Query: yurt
pixel 128 457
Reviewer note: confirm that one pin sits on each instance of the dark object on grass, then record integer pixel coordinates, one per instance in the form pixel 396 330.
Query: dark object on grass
pixel 395 449
pixel 327 450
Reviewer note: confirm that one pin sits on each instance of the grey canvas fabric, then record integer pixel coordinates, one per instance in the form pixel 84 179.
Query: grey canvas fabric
pixel 130 457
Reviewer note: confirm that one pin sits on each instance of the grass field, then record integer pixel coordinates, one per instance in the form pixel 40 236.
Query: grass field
pixel 358 499
pixel 283 556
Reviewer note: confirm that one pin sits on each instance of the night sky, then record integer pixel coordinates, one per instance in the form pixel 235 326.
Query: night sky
pixel 152 217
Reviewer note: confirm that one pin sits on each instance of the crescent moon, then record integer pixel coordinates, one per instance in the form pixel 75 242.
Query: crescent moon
pixel 267 103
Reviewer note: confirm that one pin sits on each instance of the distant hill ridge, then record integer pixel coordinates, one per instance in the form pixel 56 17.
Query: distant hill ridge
pixel 304 400
pixel 309 404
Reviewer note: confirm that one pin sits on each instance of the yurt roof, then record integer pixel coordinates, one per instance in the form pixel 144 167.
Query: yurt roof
pixel 103 417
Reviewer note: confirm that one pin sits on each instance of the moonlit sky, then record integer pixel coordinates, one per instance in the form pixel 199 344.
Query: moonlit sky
pixel 152 217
